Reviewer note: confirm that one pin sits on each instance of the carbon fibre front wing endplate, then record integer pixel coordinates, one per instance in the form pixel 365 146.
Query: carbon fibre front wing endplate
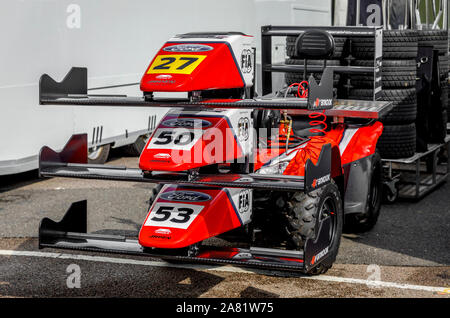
pixel 70 233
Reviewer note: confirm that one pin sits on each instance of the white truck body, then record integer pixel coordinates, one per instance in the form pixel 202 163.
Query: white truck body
pixel 115 40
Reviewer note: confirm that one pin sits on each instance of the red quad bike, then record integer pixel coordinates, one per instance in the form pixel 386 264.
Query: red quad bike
pixel 229 165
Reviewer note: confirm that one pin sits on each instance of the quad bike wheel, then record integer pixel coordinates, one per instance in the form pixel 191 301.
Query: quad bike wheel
pixel 363 222
pixel 154 194
pixel 99 154
pixel 304 211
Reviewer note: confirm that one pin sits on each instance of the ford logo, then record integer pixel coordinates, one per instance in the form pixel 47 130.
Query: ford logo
pixel 185 196
pixel 188 48
pixel 186 123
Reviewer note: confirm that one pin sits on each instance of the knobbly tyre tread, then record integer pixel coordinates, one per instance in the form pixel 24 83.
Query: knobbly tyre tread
pixel 398 141
pixel 301 211
pixel 338 53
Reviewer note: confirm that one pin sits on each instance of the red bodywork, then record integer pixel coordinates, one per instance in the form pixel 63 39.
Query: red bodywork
pixel 219 214
pixel 212 215
pixel 184 141
pixel 166 77
pixel 204 150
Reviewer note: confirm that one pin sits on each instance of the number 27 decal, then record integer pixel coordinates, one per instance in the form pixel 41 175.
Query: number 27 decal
pixel 175 64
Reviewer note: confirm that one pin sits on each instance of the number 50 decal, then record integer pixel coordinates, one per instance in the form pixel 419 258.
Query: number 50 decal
pixel 176 139
pixel 173 215
pixel 175 64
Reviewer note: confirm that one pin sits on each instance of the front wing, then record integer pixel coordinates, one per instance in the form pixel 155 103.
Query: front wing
pixel 71 162
pixel 70 233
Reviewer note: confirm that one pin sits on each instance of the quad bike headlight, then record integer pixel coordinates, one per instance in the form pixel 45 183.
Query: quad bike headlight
pixel 277 168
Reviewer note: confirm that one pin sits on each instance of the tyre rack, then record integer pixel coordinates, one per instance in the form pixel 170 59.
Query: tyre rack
pixel 415 177
pixel 268 67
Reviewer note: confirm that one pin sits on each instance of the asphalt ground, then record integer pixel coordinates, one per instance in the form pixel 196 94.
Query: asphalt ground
pixel 406 255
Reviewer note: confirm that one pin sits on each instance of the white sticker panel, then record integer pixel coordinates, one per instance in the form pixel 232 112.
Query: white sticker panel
pixel 173 215
pixel 175 138
pixel 242 200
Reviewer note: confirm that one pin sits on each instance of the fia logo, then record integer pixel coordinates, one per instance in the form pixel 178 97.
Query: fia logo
pixel 246 61
pixel 243 128
pixel 244 201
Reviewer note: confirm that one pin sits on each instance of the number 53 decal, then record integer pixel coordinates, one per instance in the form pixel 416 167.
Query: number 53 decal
pixel 173 215
pixel 175 64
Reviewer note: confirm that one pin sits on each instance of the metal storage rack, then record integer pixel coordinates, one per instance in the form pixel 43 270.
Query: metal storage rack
pixel 418 175
pixel 269 31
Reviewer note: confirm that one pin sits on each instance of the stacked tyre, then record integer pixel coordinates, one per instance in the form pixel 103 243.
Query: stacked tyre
pixel 339 53
pixel 399 72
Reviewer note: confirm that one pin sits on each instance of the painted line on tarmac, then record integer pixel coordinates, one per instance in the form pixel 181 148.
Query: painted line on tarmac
pixel 127 261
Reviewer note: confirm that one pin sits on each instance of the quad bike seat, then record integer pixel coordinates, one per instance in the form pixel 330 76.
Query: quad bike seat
pixel 315 45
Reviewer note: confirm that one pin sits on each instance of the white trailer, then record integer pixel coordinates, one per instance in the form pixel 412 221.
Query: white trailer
pixel 115 40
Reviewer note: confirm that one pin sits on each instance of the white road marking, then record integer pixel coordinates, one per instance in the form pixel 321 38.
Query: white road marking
pixel 232 269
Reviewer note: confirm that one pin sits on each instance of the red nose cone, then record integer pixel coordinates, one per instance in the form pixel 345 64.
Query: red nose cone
pixel 187 67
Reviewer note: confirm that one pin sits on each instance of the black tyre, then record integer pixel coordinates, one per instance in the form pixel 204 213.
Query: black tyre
pixel 397 141
pixel 397 44
pixel 135 149
pixel 438 39
pixel 154 194
pixel 395 95
pixel 298 77
pixel 404 103
pixel 303 214
pixel 394 51
pixel 98 155
pixel 339 51
pixel 363 222
pixel 395 74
